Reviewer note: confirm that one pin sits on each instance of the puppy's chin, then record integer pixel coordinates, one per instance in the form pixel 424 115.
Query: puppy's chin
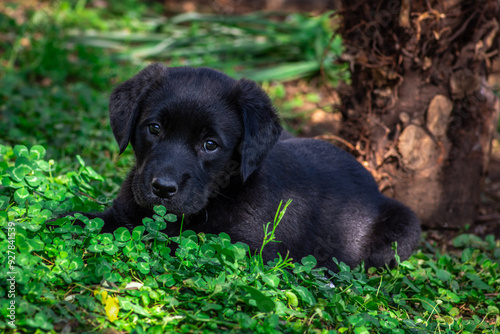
pixel 187 207
pixel 179 209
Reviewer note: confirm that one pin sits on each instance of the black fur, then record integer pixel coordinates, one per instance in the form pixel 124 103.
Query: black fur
pixel 168 114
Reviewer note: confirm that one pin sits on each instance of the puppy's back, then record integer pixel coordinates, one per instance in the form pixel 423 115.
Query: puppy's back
pixel 350 218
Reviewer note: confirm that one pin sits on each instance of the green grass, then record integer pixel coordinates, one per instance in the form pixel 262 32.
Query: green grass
pixel 57 155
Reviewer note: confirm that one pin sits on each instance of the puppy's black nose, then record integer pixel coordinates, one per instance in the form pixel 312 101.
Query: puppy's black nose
pixel 164 187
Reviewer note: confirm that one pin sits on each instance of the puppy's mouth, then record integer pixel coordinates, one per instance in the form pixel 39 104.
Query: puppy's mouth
pixel 178 202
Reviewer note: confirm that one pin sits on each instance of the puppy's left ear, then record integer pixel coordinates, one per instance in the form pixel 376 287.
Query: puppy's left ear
pixel 261 127
pixel 125 102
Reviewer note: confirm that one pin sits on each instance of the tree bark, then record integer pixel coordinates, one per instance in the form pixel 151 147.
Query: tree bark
pixel 419 110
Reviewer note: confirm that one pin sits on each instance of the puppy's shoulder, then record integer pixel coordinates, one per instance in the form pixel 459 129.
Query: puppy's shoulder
pixel 322 161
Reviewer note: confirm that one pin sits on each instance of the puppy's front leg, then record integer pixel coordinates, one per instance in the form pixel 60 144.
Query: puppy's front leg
pixel 110 217
pixel 125 212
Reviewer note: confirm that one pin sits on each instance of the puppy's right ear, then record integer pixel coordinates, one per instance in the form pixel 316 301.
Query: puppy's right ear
pixel 261 126
pixel 125 101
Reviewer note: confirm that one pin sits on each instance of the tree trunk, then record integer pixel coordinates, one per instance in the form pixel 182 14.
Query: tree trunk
pixel 419 110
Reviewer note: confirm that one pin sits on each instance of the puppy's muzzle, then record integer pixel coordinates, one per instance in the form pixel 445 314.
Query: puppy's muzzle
pixel 164 187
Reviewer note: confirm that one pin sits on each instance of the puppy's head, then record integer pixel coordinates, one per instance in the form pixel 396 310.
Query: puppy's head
pixel 192 130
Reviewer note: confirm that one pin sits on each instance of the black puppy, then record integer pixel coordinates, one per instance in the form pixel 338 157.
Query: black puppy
pixel 207 146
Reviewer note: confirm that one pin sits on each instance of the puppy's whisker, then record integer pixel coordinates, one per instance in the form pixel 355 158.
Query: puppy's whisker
pixel 222 195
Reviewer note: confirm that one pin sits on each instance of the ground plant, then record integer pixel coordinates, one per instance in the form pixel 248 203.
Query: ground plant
pixel 59 62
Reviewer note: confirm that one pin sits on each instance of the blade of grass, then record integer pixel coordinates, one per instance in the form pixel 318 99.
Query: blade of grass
pixel 287 71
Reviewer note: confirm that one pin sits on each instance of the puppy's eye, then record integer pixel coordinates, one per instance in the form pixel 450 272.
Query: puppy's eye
pixel 210 146
pixel 154 129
